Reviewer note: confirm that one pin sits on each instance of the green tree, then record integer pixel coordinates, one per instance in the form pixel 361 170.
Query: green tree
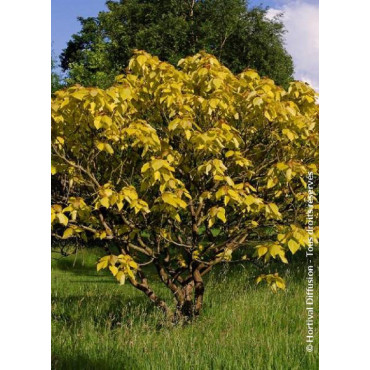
pixel 56 81
pixel 185 169
pixel 171 29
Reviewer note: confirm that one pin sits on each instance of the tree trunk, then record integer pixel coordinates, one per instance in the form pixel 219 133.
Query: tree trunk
pixel 185 309
pixel 199 292
pixel 189 298
pixel 144 287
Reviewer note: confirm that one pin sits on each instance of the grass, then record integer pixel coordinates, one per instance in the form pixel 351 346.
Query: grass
pixel 97 324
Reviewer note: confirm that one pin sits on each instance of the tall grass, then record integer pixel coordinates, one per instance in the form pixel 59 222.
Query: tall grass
pixel 97 324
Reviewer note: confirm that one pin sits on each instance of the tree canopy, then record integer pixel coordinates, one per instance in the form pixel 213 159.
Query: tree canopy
pixel 172 29
pixel 185 169
pixel 56 81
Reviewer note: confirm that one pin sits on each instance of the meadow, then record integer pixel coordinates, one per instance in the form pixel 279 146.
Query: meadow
pixel 97 324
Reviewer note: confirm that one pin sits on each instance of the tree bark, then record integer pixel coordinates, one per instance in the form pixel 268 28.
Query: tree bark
pixel 186 309
pixel 144 287
pixel 199 290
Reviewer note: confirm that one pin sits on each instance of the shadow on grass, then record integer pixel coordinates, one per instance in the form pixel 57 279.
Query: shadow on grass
pixel 116 311
pixel 83 362
pixel 72 265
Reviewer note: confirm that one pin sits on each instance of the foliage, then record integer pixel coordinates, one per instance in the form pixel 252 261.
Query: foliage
pixel 56 81
pixel 238 36
pixel 185 169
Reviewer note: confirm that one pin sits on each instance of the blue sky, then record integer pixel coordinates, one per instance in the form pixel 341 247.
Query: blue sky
pixel 301 20
pixel 64 21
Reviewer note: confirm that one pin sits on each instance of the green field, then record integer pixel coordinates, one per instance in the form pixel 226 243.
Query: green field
pixel 97 324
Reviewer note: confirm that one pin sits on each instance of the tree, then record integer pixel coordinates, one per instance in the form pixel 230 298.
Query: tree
pixel 56 82
pixel 173 29
pixel 185 169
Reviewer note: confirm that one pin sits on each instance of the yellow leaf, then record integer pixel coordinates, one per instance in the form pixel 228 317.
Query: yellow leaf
pixel 289 134
pixel 268 116
pixel 217 83
pixel 280 284
pixel 145 167
pixel 130 274
pixel 169 198
pixel 105 202
pixel 181 203
pixel 113 270
pixel 261 250
pixel 60 140
pixel 100 145
pixel 233 193
pixel 141 59
pixel 249 200
pixel 274 250
pixel 125 93
pixel 107 120
pixel 79 95
pixel 221 214
pixel 257 101
pixel 288 174
pixel 108 148
pixel 280 237
pixel 293 246
pixel 281 166
pixel 133 264
pixel 282 257
pixel 121 277
pixel 271 182
pixel 226 200
pixel 274 208
pixel 157 164
pixel 188 134
pixel 97 123
pixel 62 219
pixel 68 233
pixel 102 264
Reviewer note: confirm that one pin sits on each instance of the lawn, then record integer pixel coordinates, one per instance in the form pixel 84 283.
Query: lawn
pixel 97 324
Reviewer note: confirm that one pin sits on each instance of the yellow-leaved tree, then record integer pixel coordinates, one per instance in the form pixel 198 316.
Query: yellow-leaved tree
pixel 185 168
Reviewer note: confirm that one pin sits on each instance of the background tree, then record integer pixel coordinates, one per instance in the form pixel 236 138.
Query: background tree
pixel 185 169
pixel 56 81
pixel 173 29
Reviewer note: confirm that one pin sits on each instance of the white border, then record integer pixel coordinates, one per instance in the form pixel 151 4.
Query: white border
pixel 344 184
pixel 25 184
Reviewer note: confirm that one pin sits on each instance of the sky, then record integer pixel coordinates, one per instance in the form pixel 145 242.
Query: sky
pixel 64 21
pixel 301 19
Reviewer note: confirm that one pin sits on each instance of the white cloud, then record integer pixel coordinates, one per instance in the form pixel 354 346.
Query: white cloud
pixel 301 20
